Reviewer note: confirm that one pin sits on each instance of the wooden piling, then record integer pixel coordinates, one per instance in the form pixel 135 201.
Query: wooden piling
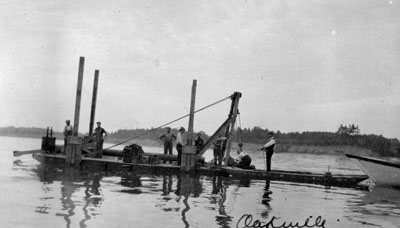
pixel 188 160
pixel 73 150
pixel 78 96
pixel 94 99
pixel 191 116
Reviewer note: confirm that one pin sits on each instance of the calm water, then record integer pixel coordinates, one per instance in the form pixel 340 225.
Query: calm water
pixel 35 196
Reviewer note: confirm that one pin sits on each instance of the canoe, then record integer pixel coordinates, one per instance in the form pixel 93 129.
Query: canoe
pixel 381 172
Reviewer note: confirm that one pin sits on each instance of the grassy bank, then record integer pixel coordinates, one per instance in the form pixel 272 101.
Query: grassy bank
pixel 251 147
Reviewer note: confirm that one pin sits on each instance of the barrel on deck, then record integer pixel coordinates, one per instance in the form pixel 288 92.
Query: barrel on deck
pixel 132 154
pixel 49 144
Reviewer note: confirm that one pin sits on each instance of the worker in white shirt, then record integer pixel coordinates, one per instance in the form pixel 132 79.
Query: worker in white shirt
pixel 269 149
pixel 67 132
pixel 179 144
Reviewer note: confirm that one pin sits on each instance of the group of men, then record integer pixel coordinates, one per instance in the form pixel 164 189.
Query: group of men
pixel 169 138
pixel 243 160
pixel 99 135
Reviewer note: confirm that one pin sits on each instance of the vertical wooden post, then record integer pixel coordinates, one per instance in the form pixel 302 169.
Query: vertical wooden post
pixel 234 112
pixel 74 143
pixel 188 161
pixel 94 98
pixel 191 116
pixel 78 96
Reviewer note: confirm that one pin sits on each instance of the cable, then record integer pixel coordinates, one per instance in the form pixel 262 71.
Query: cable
pixel 219 101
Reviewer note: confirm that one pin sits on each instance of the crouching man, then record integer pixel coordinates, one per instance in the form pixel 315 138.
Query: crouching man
pixel 244 160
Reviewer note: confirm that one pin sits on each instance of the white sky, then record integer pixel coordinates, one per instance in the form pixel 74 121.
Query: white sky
pixel 301 65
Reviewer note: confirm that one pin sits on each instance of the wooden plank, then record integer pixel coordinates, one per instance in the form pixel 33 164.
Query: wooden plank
pixel 19 153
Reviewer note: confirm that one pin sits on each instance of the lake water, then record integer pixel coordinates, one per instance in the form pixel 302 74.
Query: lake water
pixel 35 196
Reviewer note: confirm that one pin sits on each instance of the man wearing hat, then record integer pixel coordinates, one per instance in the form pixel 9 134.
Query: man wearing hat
pixel 219 150
pixel 98 133
pixel 199 143
pixel 168 138
pixel 67 132
pixel 179 144
pixel 269 149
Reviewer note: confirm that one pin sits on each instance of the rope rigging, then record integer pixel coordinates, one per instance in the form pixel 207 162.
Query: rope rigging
pixel 173 121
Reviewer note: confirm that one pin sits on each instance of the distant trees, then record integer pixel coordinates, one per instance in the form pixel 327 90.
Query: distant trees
pixel 345 135
pixel 23 131
pixel 351 129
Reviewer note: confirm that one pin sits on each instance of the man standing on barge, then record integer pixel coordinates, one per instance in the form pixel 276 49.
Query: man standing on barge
pixel 199 143
pixel 269 149
pixel 179 144
pixel 98 133
pixel 219 150
pixel 67 132
pixel 168 138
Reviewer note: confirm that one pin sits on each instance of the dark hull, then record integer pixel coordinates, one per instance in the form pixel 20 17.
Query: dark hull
pixel 103 165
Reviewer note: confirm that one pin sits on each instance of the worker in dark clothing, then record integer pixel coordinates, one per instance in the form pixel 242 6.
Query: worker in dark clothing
pixel 168 138
pixel 269 149
pixel 219 149
pixel 199 143
pixel 100 135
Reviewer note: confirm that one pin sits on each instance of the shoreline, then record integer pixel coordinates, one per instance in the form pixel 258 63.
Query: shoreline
pixel 339 150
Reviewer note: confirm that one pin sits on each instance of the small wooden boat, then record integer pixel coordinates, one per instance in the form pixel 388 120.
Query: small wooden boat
pixel 381 172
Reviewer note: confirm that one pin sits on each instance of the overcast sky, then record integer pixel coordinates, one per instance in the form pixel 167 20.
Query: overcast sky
pixel 300 65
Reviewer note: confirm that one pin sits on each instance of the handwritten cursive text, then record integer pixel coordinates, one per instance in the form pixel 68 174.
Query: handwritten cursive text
pixel 246 221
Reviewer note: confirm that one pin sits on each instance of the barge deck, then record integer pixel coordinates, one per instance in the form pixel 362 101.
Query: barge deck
pixel 106 165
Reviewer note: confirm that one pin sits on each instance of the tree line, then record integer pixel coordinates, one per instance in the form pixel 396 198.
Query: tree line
pixel 348 136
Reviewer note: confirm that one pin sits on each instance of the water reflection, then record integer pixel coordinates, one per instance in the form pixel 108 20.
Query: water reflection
pixel 167 184
pixel 373 205
pixel 266 198
pixel 68 188
pixel 132 181
pixel 72 182
pixel 187 185
pixel 75 197
pixel 220 188
pixel 92 189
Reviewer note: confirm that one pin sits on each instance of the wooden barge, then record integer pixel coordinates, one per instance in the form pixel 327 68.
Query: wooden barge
pixel 81 152
pixel 106 165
